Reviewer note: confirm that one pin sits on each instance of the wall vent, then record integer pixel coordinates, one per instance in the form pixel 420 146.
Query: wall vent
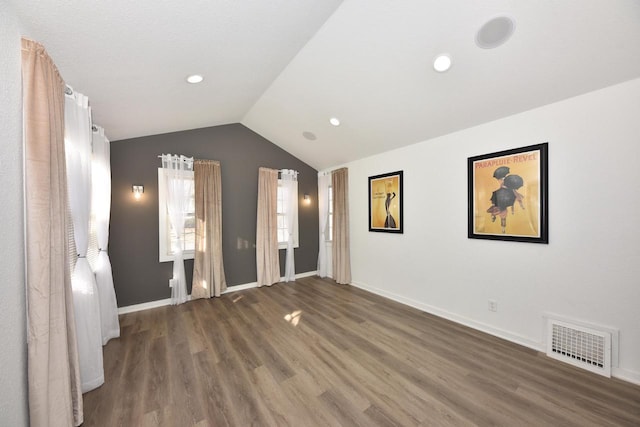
pixel 580 346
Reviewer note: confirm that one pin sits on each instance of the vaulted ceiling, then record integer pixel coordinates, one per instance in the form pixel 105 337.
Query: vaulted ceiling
pixel 283 68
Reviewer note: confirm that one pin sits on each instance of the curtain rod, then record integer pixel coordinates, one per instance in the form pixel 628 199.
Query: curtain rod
pixel 69 91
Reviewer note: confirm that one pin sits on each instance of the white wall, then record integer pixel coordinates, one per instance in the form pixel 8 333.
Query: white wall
pixel 589 271
pixel 13 369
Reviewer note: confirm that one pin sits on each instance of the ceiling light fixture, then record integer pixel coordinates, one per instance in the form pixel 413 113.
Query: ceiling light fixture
pixel 334 121
pixel 195 78
pixel 495 32
pixel 442 63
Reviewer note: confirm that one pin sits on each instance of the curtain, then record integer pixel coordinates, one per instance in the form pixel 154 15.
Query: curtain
pixel 208 267
pixel 267 257
pixel 179 189
pixel 324 180
pixel 55 397
pixel 341 255
pixel 86 300
pixel 101 198
pixel 289 180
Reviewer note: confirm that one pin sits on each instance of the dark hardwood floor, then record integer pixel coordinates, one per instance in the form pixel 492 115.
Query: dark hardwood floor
pixel 314 353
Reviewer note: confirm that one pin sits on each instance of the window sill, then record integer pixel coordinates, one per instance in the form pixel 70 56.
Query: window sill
pixel 284 246
pixel 185 255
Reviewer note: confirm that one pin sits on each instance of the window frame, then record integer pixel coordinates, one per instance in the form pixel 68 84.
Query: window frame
pixel 165 254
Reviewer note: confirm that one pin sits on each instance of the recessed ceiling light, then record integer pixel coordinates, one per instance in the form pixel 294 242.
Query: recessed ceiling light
pixel 334 121
pixel 495 32
pixel 195 78
pixel 442 63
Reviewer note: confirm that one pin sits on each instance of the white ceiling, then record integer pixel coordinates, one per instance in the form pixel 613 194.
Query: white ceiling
pixel 132 57
pixel 284 67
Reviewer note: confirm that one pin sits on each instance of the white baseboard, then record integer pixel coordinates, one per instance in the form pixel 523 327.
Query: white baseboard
pixel 255 284
pixel 623 374
pixel 626 375
pixel 144 306
pixel 500 333
pixel 163 302
pixel 307 274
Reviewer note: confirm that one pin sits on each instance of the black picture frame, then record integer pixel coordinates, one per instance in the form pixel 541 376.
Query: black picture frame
pixel 508 194
pixel 386 199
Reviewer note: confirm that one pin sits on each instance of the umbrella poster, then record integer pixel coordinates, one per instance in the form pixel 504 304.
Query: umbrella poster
pixel 385 202
pixel 508 195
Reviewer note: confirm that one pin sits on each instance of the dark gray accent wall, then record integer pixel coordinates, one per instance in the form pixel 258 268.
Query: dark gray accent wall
pixel 133 245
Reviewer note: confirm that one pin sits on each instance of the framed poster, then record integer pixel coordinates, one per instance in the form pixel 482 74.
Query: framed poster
pixel 385 202
pixel 508 195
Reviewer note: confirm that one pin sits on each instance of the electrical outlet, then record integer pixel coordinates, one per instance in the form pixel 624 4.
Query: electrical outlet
pixel 493 305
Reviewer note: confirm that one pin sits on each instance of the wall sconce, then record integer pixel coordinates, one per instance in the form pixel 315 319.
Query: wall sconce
pixel 307 199
pixel 137 191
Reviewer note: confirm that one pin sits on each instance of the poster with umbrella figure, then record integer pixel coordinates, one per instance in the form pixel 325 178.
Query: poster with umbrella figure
pixel 508 195
pixel 385 202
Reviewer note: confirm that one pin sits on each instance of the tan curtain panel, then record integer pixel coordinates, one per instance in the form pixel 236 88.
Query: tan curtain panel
pixel 267 257
pixel 208 268
pixel 55 398
pixel 341 252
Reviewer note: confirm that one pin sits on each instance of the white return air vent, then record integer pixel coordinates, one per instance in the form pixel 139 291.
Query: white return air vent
pixel 581 346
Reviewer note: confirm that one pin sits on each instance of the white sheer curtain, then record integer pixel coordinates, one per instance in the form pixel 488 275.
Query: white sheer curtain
pixel 179 189
pixel 324 181
pixel 289 180
pixel 101 199
pixel 86 300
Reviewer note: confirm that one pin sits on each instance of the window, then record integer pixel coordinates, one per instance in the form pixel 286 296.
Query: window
pixel 166 231
pixel 330 219
pixel 282 223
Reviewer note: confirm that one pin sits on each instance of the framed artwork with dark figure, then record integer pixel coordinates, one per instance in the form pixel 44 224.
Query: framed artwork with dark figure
pixel 508 195
pixel 385 202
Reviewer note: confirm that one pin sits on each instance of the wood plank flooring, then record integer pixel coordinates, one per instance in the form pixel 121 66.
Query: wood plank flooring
pixel 314 353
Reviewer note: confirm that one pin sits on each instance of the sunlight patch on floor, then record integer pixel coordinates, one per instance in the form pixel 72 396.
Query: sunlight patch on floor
pixel 294 317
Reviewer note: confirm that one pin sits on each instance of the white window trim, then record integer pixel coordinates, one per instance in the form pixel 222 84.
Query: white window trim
pixel 164 244
pixel 296 240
